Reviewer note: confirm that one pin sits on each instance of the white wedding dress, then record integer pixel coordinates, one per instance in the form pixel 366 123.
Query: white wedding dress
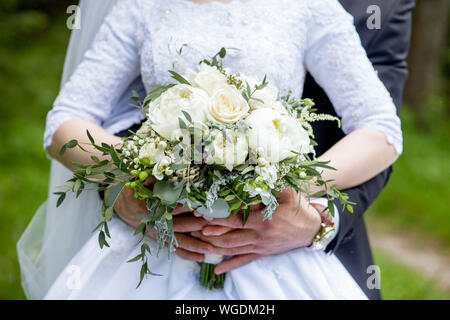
pixel 281 38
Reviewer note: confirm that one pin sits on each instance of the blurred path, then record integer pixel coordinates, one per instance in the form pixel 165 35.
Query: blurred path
pixel 425 256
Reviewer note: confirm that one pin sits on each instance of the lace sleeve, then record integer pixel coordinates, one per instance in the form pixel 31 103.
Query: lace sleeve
pixel 338 62
pixel 107 69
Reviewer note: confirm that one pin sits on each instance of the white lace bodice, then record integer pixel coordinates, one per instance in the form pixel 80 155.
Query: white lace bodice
pixel 281 38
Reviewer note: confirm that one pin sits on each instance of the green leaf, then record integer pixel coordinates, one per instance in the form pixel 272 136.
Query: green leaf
pixel 168 216
pixel 139 229
pixel 331 207
pixel 166 192
pixel 245 216
pixel 77 185
pixel 187 115
pixel 350 208
pixel 112 193
pixel 101 240
pixel 137 258
pixel 254 203
pixel 98 226
pixel 135 96
pixel 234 206
pixel 182 124
pixel 179 77
pixel 224 193
pixel 62 196
pixel 229 198
pixel 107 231
pixel 144 270
pixel 69 145
pixel 109 212
pixel 249 90
pixel 90 137
pixel 222 53
pixel 247 170
pixel 113 154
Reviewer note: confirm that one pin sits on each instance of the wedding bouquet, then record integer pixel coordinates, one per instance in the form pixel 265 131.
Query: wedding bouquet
pixel 216 142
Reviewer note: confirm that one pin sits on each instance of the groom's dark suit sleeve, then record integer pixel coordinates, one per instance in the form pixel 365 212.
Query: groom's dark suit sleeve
pixel 387 48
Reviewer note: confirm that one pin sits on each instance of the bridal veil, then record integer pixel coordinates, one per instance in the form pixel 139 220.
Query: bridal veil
pixel 55 235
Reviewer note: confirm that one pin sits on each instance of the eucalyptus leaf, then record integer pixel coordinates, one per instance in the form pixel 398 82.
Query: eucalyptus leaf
pixel 166 192
pixel 219 209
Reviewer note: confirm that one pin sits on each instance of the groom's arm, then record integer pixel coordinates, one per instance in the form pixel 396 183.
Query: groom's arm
pixel 387 50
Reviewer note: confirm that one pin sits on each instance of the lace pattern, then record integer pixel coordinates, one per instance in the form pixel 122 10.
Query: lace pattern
pixel 281 38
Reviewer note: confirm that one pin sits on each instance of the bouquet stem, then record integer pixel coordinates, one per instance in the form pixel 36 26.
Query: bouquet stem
pixel 209 279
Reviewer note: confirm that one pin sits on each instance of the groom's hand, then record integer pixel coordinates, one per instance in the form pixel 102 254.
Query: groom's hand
pixel 291 227
pixel 131 210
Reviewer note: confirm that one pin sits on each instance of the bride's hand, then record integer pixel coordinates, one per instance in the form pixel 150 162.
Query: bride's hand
pixel 289 229
pixel 130 210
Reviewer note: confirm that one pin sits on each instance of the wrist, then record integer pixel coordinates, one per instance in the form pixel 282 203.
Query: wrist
pixel 315 225
pixel 327 229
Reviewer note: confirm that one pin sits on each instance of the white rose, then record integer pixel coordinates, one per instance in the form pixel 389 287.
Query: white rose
pixel 273 136
pixel 165 110
pixel 227 105
pixel 230 152
pixel 208 78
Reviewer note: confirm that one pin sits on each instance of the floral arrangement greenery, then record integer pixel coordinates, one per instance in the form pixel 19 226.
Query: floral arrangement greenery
pixel 216 142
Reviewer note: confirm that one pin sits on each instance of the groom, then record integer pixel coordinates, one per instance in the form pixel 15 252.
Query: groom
pixel 386 42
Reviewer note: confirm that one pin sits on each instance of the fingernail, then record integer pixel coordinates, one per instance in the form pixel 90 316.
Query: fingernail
pixel 207 233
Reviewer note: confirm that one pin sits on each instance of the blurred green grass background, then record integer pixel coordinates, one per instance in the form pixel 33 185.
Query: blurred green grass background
pixel 32 53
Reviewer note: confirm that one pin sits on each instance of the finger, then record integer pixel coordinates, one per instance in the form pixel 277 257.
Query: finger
pixel 150 181
pixel 235 262
pixel 180 209
pixel 237 238
pixel 188 255
pixel 188 224
pixel 194 245
pixel 212 230
pixel 254 221
pixel 287 195
pixel 233 221
pixel 198 215
pixel 235 251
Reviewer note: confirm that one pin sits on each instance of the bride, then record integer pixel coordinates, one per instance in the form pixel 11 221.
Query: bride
pixel 60 257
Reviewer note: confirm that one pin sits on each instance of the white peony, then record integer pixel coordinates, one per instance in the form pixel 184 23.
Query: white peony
pixel 208 78
pixel 227 105
pixel 230 151
pixel 272 136
pixel 165 110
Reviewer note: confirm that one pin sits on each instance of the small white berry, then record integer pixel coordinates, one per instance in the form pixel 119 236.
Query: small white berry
pixel 162 145
pixel 303 175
